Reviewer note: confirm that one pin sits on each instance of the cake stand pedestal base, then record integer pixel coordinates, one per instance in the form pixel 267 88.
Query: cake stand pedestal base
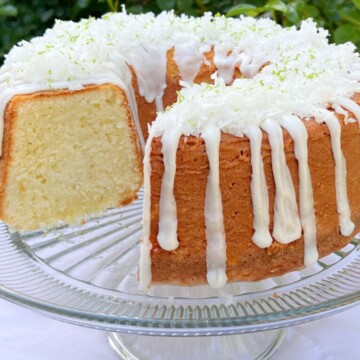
pixel 260 345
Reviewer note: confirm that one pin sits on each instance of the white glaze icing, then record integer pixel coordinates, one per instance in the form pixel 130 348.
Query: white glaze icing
pixel 155 69
pixel 189 57
pixel 226 62
pixel 297 131
pixel 352 106
pixel 214 224
pixel 167 236
pixel 146 246
pixel 287 227
pixel 249 67
pixel 343 208
pixel 259 191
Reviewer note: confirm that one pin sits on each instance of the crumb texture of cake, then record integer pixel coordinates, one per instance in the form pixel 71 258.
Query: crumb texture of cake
pixel 69 156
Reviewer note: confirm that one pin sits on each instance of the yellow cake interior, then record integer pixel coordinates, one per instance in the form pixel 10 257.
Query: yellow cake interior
pixel 68 154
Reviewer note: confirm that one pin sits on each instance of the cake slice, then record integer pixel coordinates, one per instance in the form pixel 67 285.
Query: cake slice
pixel 67 155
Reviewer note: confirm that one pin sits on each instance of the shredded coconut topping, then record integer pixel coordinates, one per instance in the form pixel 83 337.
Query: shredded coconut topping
pixel 73 51
pixel 304 75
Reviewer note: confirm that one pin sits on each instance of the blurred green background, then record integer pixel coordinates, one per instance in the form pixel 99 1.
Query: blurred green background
pixel 21 19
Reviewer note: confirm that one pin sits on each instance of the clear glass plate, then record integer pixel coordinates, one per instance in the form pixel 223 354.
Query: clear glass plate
pixel 86 275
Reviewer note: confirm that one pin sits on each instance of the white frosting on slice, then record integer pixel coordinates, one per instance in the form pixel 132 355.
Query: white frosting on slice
pixel 214 224
pixel 297 131
pixel 159 103
pixel 167 236
pixel 259 191
pixel 146 246
pixel 287 227
pixel 346 225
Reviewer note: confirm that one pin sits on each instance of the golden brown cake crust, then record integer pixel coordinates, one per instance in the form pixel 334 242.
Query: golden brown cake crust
pixel 246 261
pixel 10 117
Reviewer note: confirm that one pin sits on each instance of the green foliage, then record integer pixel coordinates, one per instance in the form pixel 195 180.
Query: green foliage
pixel 340 17
pixel 20 19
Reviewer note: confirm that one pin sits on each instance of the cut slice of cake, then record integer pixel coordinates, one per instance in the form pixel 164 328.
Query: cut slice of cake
pixel 67 155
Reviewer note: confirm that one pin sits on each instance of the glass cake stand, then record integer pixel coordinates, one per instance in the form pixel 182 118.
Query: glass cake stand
pixel 86 275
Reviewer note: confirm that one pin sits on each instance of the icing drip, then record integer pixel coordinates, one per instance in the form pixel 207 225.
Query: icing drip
pixel 259 191
pixel 159 103
pixel 249 67
pixel 226 63
pixel 346 225
pixel 352 106
pixel 155 69
pixel 188 58
pixel 297 131
pixel 123 78
pixel 215 233
pixel 287 227
pixel 146 246
pixel 167 236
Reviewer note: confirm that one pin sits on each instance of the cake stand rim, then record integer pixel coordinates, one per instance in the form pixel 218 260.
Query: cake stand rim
pixel 121 324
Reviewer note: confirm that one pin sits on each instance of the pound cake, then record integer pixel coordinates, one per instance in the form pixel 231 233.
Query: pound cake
pixel 255 179
pixel 250 169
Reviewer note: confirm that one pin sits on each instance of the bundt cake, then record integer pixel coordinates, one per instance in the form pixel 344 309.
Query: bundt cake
pixel 251 173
